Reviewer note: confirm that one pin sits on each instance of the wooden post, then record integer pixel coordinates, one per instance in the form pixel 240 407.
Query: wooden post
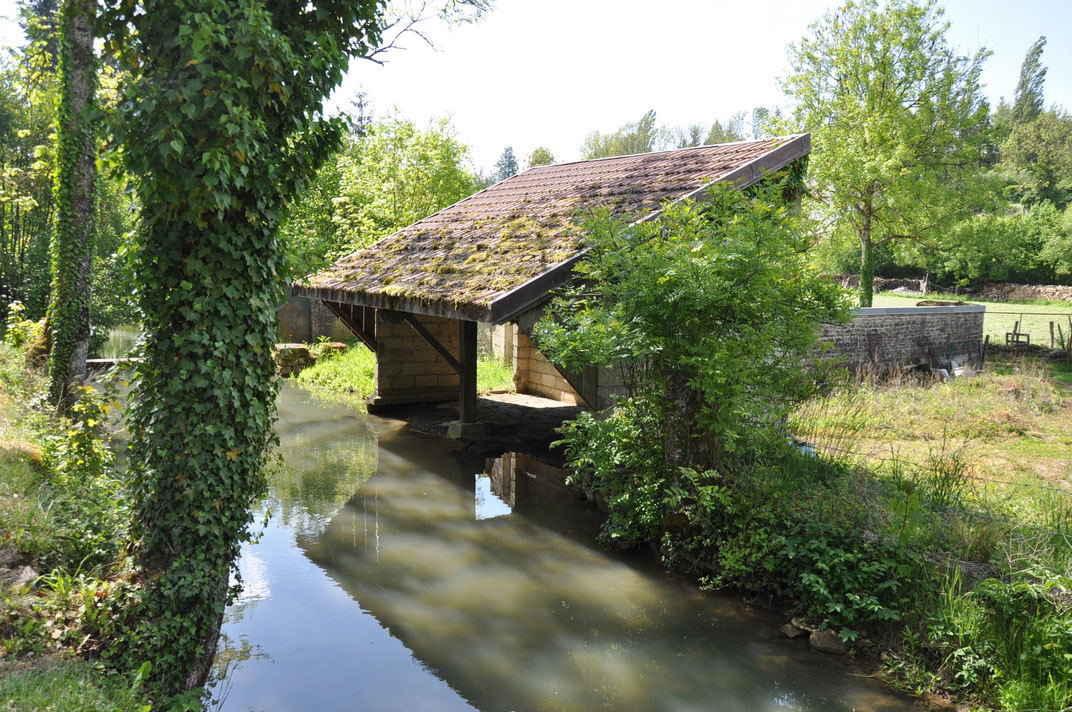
pixel 982 356
pixel 467 404
pixel 466 426
pixel 1051 335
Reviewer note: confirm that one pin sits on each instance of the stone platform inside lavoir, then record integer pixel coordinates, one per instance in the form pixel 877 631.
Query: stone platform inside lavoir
pixel 512 422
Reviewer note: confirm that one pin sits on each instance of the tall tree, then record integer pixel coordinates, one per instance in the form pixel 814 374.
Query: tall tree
pixel 897 118
pixel 540 156
pixel 76 214
pixel 635 137
pixel 1028 100
pixel 1038 154
pixel 506 166
pixel 222 119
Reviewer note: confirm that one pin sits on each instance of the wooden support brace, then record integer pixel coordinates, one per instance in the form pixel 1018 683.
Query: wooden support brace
pixel 467 404
pixel 358 328
pixel 433 341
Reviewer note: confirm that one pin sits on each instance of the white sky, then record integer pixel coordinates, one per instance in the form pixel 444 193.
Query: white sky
pixel 547 72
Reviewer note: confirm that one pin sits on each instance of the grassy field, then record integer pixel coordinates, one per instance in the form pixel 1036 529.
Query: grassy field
pixel 1001 316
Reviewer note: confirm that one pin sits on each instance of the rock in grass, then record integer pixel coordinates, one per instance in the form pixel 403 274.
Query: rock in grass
pixel 827 641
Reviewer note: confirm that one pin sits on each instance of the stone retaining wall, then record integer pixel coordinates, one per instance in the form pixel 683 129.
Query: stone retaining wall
pixel 880 339
pixel 1008 292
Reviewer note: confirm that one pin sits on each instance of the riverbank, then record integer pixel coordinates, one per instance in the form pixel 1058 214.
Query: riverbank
pixel 62 522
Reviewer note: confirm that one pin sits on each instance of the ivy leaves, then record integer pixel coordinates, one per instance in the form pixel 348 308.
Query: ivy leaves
pixel 221 122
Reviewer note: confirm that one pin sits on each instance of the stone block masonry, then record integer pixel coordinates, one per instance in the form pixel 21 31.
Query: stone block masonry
pixel 535 375
pixel 408 370
pixel 879 339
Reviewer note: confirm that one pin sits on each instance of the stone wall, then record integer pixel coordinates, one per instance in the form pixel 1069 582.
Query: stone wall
pixel 880 339
pixel 408 370
pixel 306 320
pixel 534 374
pixel 1006 291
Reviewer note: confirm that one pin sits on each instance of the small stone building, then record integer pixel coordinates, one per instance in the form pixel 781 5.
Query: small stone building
pixel 415 297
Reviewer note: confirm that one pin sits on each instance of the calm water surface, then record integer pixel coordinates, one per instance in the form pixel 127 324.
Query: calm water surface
pixel 395 574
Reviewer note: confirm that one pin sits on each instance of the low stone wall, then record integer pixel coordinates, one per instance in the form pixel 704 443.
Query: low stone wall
pixel 1008 292
pixel 880 339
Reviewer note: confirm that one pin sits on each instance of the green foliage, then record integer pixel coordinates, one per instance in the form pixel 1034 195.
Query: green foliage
pixel 1003 248
pixel 221 124
pixel 27 144
pixel 711 311
pixel 76 200
pixel 83 465
pixel 732 131
pixel 19 332
pixel 1057 250
pixel 353 370
pixel 636 137
pixel 618 459
pixel 897 121
pixel 390 177
pixel 1038 156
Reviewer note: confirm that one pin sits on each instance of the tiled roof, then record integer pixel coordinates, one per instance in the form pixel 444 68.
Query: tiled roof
pixel 467 259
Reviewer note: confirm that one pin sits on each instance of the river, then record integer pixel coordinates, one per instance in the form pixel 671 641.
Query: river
pixel 399 573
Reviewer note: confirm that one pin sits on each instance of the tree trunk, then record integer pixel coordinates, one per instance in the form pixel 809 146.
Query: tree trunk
pixel 75 197
pixel 867 260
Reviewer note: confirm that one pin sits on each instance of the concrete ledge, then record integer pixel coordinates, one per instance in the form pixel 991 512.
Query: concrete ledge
pixel 457 430
pixel 880 311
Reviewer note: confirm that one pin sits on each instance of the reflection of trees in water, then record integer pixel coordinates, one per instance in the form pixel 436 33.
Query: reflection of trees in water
pixel 230 654
pixel 312 482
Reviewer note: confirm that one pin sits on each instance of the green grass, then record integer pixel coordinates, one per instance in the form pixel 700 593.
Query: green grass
pixel 353 371
pixel 70 686
pixel 1001 316
pixel 974 475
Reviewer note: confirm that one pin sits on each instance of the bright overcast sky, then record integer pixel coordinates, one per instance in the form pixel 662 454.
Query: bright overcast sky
pixel 547 72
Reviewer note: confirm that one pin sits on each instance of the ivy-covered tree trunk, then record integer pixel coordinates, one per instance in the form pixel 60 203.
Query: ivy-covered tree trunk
pixel 76 225
pixel 221 121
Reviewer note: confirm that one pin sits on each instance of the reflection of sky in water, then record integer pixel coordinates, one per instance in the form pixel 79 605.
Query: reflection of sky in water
pixel 417 593
pixel 488 504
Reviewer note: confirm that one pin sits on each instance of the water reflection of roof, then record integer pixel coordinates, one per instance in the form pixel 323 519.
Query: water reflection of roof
pixel 494 253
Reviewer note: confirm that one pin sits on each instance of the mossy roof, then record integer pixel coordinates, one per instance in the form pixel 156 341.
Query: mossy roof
pixel 498 250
